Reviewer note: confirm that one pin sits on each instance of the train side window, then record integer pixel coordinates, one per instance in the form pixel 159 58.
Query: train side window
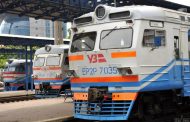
pixel 19 68
pixel 154 38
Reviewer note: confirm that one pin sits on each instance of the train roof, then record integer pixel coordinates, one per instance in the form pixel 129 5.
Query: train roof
pixel 16 61
pixel 54 49
pixel 29 37
pixel 142 12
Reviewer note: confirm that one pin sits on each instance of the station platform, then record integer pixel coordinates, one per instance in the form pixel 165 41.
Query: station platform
pixel 16 93
pixel 1 89
pixel 36 110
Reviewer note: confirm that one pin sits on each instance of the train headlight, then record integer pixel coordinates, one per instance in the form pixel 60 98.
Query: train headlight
pixel 34 76
pixel 100 12
pixel 71 73
pixel 58 75
pixel 48 48
pixel 125 71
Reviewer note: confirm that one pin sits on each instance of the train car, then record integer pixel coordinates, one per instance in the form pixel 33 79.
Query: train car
pixel 50 62
pixel 130 61
pixel 14 75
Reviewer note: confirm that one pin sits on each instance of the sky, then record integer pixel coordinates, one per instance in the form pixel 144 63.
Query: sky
pixel 183 2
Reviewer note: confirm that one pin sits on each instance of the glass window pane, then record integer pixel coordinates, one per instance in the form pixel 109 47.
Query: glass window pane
pixel 53 61
pixel 150 36
pixel 118 38
pixel 83 42
pixel 11 68
pixel 39 61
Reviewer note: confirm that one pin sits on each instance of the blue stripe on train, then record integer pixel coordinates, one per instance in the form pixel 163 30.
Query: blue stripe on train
pixel 66 81
pixel 171 79
pixel 167 80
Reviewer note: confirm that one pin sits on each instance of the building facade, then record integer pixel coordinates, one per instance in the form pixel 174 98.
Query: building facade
pixel 12 24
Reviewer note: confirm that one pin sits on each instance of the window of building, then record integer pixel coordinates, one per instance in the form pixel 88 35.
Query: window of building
pixel 154 38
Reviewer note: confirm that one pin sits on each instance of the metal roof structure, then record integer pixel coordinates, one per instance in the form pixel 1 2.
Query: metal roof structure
pixel 66 10
pixel 6 39
pixel 63 10
pixel 14 51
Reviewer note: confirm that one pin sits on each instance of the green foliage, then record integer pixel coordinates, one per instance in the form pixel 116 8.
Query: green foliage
pixel 4 57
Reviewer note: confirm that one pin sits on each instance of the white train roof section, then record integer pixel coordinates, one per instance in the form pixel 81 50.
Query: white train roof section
pixel 16 61
pixel 55 49
pixel 142 12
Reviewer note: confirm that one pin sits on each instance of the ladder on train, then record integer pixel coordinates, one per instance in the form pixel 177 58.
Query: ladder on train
pixel 186 80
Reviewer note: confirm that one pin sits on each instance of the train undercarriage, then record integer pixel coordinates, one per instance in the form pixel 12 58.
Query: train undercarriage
pixel 154 105
pixel 47 89
pixel 148 106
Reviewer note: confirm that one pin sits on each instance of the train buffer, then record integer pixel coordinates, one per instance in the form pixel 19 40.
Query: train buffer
pixel 67 93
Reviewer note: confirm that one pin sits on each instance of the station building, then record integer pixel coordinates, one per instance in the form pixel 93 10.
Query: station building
pixel 13 24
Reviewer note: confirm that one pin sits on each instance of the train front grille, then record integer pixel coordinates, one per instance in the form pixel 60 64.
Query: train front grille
pixel 105 108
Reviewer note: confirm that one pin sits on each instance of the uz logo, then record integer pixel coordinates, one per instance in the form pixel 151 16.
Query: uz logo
pixel 96 58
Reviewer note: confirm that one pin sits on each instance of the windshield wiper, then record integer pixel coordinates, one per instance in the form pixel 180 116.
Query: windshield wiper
pixel 109 32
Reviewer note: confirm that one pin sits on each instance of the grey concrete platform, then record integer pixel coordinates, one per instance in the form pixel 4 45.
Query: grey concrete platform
pixel 16 93
pixel 36 110
pixel 1 89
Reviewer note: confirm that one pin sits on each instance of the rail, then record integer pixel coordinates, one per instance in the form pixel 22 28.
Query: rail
pixel 13 96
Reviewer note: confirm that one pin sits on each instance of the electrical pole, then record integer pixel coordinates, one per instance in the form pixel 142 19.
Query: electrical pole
pixel 115 1
pixel 58 32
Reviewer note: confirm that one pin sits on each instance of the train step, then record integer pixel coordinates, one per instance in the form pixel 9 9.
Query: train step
pixel 186 90
pixel 186 93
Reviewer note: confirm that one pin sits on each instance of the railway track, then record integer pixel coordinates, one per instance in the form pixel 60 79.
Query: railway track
pixel 17 98
pixel 184 117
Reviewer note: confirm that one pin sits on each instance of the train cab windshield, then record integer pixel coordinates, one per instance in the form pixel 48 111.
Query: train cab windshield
pixel 83 42
pixel 15 68
pixel 50 60
pixel 53 60
pixel 39 61
pixel 116 38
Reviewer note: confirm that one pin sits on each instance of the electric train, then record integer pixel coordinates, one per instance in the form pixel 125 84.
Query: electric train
pixel 130 61
pixel 50 63
pixel 14 75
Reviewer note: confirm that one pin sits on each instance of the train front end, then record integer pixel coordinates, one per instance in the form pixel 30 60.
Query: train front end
pixel 14 75
pixel 48 70
pixel 103 63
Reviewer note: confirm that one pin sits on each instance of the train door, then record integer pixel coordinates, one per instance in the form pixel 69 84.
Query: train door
pixel 189 43
pixel 177 54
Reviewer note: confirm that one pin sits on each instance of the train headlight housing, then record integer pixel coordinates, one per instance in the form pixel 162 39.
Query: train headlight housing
pixel 48 48
pixel 100 12
pixel 71 73
pixel 125 70
pixel 34 76
pixel 58 75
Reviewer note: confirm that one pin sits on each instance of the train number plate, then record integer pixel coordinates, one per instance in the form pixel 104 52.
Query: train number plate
pixel 99 71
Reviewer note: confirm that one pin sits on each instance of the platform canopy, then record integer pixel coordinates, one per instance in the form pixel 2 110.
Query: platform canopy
pixel 17 40
pixel 66 10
